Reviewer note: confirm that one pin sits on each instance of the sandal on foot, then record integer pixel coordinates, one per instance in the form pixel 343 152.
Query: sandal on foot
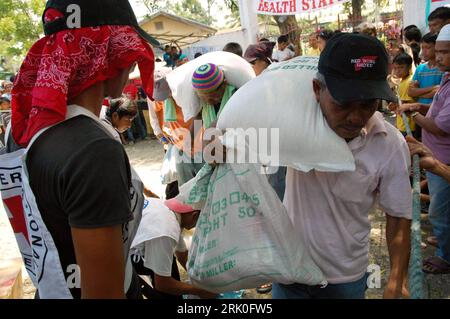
pixel 436 265
pixel 264 289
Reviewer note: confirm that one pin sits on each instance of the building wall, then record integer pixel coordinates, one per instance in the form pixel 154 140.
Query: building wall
pixel 216 43
pixel 171 27
pixel 415 12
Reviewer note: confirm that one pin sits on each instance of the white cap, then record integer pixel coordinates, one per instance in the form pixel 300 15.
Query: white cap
pixel 444 34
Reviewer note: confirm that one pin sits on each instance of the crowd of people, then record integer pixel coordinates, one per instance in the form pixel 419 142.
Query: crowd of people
pixel 88 201
pixel 5 107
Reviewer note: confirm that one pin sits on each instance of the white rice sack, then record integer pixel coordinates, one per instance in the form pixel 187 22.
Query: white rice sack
pixel 282 97
pixel 237 72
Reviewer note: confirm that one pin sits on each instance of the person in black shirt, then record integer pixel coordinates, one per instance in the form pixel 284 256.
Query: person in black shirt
pixel 84 192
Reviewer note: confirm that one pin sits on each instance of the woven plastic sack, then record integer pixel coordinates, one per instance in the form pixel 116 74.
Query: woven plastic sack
pixel 244 237
pixel 169 166
pixel 282 97
pixel 237 72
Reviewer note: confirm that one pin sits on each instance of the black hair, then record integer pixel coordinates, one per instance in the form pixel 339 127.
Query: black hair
pixel 372 31
pixel 409 27
pixel 158 60
pixel 121 106
pixel 233 47
pixel 167 47
pixel 442 13
pixel 174 47
pixel 413 34
pixel 197 55
pixel 429 38
pixel 283 39
pixel 325 34
pixel 4 99
pixel 415 48
pixel 263 39
pixel 403 59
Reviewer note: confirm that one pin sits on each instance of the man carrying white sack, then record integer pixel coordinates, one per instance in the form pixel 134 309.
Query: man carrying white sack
pixel 331 210
pixel 213 90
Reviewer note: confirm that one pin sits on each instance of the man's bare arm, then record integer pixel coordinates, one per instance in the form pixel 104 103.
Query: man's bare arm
pixel 99 254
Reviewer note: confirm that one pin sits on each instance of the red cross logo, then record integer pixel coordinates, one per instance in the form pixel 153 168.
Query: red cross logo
pixel 17 221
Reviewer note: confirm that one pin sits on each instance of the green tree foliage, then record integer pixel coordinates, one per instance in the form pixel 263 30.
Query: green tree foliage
pixel 20 27
pixel 233 19
pixel 193 10
pixel 153 6
pixel 354 9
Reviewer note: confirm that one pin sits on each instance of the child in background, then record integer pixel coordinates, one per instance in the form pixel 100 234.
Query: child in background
pixel 427 78
pixel 5 116
pixel 283 53
pixel 5 104
pixel 401 70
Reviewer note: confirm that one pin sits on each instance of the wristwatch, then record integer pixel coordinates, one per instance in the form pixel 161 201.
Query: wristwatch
pixel 414 114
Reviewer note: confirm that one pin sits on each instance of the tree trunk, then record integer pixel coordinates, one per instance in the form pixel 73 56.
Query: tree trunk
pixel 356 12
pixel 288 26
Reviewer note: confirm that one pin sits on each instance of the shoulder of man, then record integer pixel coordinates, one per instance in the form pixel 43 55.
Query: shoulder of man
pixel 392 141
pixel 75 136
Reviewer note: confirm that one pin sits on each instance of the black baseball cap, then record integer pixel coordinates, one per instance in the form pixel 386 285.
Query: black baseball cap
pixel 355 67
pixel 94 13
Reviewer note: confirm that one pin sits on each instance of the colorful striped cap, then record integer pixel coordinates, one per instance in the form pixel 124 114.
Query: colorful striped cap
pixel 207 78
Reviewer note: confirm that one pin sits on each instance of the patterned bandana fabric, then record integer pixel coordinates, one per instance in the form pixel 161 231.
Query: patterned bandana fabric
pixel 207 78
pixel 61 66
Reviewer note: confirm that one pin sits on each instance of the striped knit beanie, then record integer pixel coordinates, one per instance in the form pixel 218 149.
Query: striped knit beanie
pixel 207 78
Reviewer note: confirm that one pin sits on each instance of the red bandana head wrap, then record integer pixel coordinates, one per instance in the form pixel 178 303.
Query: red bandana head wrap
pixel 61 66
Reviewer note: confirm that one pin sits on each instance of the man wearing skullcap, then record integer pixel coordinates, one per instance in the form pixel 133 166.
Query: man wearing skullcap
pixel 211 86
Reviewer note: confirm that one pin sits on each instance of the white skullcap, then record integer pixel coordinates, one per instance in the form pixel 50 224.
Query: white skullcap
pixel 444 34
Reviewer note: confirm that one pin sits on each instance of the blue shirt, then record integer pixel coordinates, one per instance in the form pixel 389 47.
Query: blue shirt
pixel 427 77
pixel 168 59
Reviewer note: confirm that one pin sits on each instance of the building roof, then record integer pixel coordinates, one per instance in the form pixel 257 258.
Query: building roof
pixel 205 27
pixel 182 39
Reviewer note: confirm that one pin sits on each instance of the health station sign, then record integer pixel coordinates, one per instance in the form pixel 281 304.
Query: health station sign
pixel 288 7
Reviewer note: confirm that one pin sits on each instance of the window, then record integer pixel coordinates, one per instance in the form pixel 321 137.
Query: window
pixel 159 25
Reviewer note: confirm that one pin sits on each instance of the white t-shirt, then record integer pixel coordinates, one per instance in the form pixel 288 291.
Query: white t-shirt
pixel 158 237
pixel 331 210
pixel 284 55
pixel 159 253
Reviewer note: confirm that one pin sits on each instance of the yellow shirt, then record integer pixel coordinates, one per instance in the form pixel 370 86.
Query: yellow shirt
pixel 312 52
pixel 403 92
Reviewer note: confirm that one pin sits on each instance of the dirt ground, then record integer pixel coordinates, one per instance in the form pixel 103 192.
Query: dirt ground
pixel 146 157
